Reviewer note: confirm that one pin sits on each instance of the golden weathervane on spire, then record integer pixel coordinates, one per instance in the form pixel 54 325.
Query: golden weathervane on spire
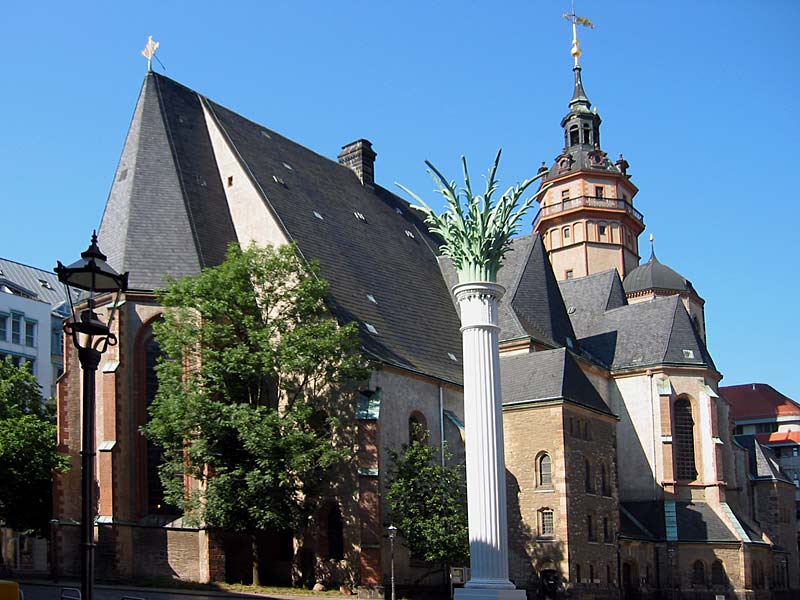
pixel 150 51
pixel 576 20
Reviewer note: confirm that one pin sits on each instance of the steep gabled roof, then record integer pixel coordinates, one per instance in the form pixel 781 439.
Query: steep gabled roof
pixel 693 522
pixel 758 401
pixel 624 336
pixel 547 375
pixel 532 305
pixel 166 213
pixel 762 462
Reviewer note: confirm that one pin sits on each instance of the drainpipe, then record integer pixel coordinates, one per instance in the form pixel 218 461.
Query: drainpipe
pixel 441 421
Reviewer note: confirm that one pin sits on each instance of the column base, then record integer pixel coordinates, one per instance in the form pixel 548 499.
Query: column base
pixel 488 594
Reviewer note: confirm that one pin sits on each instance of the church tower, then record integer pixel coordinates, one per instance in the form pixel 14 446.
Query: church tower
pixel 587 219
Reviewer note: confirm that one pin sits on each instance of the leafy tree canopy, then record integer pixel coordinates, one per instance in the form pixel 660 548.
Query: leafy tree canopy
pixel 252 360
pixel 428 504
pixel 28 454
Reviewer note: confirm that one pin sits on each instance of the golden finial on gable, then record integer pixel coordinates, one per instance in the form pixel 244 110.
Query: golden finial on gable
pixel 150 51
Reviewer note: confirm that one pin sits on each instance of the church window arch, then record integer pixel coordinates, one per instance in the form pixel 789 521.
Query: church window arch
pixel 698 573
pixel 718 576
pixel 331 542
pixel 544 470
pixel 683 440
pixel 587 135
pixel 417 427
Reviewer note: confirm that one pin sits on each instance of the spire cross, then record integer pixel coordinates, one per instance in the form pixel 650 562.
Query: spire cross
pixel 576 20
pixel 150 51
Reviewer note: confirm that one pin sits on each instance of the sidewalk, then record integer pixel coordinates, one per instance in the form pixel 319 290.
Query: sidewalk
pixel 147 592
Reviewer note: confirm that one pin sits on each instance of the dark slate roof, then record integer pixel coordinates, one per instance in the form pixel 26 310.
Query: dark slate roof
pixel 624 336
pixel 166 214
pixel 696 522
pixel 532 305
pixel 547 375
pixel 654 275
pixel 36 283
pixel 762 463
pixel 357 258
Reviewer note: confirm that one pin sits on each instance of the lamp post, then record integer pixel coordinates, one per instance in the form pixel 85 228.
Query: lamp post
pixel 392 534
pixel 91 337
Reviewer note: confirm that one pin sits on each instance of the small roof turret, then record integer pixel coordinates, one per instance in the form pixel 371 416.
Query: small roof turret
pixel 654 275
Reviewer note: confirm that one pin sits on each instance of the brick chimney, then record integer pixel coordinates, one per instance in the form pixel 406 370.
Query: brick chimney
pixel 360 157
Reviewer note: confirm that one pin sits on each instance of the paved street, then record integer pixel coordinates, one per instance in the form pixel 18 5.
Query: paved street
pixel 50 591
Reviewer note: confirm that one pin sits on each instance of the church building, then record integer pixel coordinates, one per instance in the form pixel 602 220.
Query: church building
pixel 625 478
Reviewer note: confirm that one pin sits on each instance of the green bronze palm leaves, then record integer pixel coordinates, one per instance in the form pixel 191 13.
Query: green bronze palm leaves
pixel 476 230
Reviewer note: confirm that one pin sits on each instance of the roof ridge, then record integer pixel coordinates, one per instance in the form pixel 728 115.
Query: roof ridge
pixel 671 328
pixel 179 172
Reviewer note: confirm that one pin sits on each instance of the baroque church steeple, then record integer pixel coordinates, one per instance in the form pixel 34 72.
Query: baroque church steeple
pixel 587 219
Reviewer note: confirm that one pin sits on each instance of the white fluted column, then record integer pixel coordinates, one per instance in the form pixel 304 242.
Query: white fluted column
pixel 483 424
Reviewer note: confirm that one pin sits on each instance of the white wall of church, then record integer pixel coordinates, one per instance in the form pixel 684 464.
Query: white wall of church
pixel 251 217
pixel 639 454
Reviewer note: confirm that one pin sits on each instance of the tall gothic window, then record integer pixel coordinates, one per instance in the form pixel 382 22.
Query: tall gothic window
pixel 155 491
pixel 698 573
pixel 545 471
pixel 417 427
pixel 588 477
pixel 683 441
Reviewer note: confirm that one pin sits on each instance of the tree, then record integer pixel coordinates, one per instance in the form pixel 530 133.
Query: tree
pixel 28 452
pixel 252 358
pixel 428 503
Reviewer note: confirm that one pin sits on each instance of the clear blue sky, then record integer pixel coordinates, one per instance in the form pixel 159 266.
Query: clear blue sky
pixel 699 96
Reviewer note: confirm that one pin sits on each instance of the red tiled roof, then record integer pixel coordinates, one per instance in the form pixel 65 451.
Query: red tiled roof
pixel 779 437
pixel 758 401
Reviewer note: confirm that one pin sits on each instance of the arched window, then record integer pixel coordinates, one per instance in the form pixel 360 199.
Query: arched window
pixel 590 534
pixel 154 457
pixel 577 573
pixel 587 135
pixel 609 579
pixel 544 471
pixel 718 573
pixel 335 533
pixel 417 427
pixel 591 573
pixel 698 573
pixel 587 474
pixel 683 440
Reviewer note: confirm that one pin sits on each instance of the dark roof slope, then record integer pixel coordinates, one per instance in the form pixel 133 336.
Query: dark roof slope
pixel 166 213
pixel 758 400
pixel 653 275
pixel 37 283
pixel 547 375
pixel 696 522
pixel 654 332
pixel 532 305
pixel 762 462
pixel 390 255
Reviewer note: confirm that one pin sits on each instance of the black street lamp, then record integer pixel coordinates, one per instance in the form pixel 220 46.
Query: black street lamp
pixel 91 337
pixel 392 535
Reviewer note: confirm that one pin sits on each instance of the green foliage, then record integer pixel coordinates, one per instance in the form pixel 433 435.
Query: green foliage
pixel 253 356
pixel 28 454
pixel 476 231
pixel 428 504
